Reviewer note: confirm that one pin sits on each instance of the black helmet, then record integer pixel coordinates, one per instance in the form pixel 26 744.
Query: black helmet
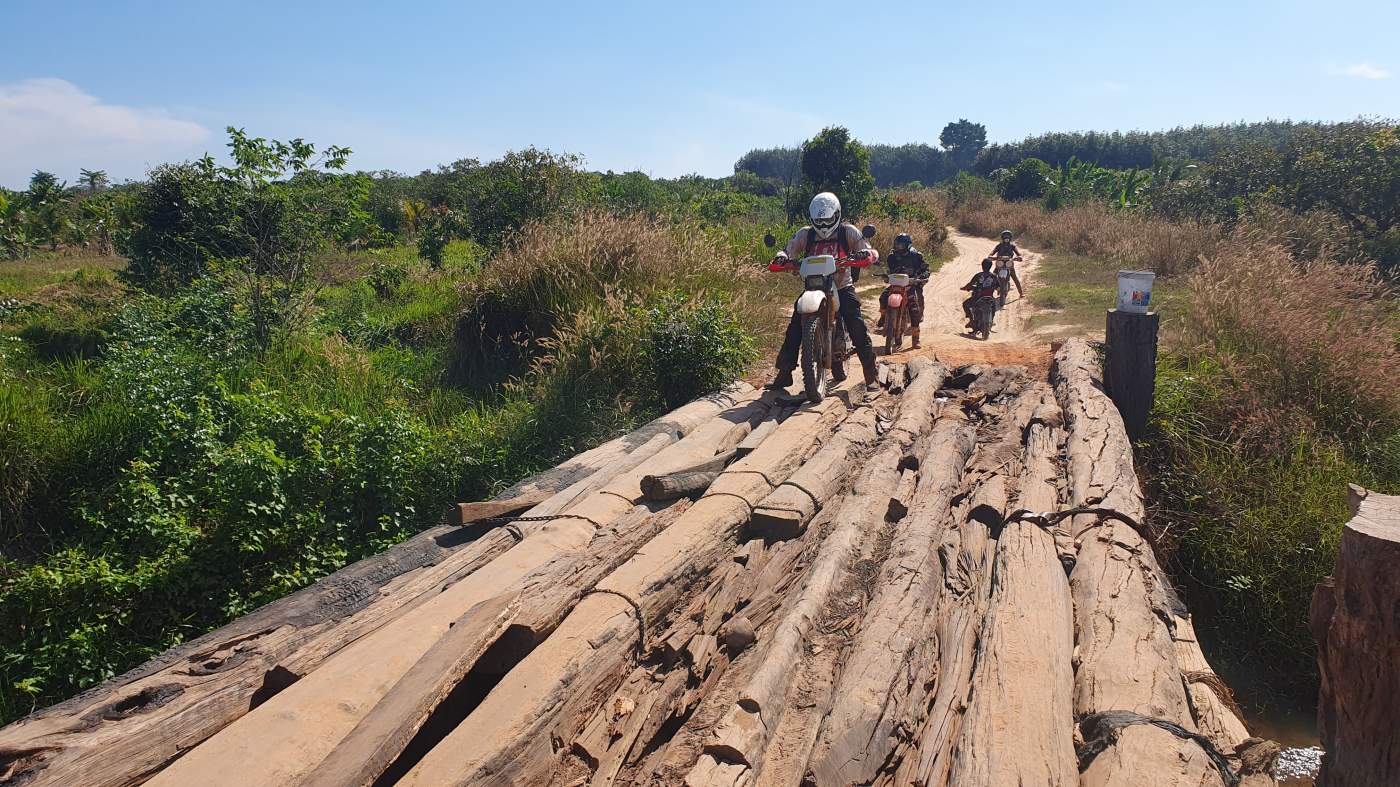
pixel 903 241
pixel 987 264
pixel 1006 234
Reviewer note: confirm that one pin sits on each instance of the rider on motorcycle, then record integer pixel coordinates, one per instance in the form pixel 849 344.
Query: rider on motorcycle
pixel 983 285
pixel 906 259
pixel 827 234
pixel 1008 249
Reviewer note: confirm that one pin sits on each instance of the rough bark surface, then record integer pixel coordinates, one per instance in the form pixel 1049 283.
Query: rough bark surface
pixel 1356 620
pixel 1021 690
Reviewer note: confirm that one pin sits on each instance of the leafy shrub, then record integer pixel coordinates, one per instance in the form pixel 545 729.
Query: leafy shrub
pixel 691 346
pixel 554 269
pixel 1027 180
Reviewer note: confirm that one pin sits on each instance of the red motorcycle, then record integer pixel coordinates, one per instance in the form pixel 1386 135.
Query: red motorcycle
pixel 897 309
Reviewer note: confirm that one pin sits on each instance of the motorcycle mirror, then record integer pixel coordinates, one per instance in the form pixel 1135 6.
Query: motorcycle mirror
pixel 868 231
pixel 769 240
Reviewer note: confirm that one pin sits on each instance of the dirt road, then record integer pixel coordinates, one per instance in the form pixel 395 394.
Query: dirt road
pixel 944 334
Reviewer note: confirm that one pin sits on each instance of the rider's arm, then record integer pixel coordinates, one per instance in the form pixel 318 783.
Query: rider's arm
pixel 858 243
pixel 922 265
pixel 797 245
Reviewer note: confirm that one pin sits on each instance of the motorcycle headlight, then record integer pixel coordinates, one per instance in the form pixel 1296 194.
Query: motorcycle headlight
pixel 816 282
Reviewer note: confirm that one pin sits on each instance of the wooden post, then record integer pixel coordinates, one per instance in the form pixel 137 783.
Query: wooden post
pixel 1130 367
pixel 1355 621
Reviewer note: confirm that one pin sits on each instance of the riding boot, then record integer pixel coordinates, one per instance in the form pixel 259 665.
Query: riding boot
pixel 783 380
pixel 914 335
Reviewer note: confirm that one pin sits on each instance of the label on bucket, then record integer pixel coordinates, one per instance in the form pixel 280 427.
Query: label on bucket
pixel 1135 290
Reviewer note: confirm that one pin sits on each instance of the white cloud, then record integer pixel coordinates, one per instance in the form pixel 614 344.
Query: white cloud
pixel 51 124
pixel 1358 71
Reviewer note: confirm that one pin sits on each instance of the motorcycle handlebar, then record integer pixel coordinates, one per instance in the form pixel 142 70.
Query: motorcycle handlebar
pixel 841 262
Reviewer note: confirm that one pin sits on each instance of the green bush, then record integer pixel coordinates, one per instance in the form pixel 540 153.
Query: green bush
pixel 691 346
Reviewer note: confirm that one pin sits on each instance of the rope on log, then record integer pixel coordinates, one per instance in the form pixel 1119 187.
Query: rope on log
pixel 1049 519
pixel 636 610
pixel 1100 730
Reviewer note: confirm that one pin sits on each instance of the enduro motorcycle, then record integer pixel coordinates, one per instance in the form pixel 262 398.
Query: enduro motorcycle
pixel 897 309
pixel 1003 271
pixel 984 311
pixel 823 350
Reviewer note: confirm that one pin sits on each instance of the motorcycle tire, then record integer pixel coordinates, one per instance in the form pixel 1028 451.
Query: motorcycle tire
pixel 894 330
pixel 813 360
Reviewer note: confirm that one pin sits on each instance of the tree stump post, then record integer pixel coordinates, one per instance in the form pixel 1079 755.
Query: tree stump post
pixel 1130 366
pixel 1355 618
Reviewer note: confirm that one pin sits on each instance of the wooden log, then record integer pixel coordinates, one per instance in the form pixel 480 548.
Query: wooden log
pixel 903 494
pixel 382 735
pixel 743 733
pixel 124 730
pixel 1123 602
pixel 878 679
pixel 537 604
pixel 687 481
pixel 965 556
pixel 1130 366
pixel 507 738
pixel 285 737
pixel 785 512
pixel 1021 690
pixel 468 513
pixel 1358 639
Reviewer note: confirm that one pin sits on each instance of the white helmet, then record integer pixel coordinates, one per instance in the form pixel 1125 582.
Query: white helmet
pixel 825 211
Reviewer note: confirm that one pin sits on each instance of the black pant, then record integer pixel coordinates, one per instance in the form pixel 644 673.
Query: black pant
pixel 849 312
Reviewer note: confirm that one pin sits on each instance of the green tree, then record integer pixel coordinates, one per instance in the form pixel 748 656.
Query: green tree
pixel 963 140
pixel 48 208
pixel 832 161
pixel 94 179
pixel 14 234
pixel 265 218
pixel 1027 181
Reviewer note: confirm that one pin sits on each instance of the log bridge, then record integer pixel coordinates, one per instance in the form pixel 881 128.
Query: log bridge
pixel 889 588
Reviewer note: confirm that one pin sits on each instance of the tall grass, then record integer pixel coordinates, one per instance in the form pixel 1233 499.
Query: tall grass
pixel 1125 239
pixel 554 269
pixel 1280 390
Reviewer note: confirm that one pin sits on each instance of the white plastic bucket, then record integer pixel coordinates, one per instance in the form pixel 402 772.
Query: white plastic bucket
pixel 1135 291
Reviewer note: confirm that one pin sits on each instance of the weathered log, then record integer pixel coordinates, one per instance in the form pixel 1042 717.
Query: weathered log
pixel 285 737
pixel 785 512
pixel 743 733
pixel 965 556
pixel 537 604
pixel 858 733
pixel 1126 656
pixel 507 738
pixel 897 507
pixel 122 731
pixel 1019 724
pixel 467 513
pixel 1357 628
pixel 382 735
pixel 687 481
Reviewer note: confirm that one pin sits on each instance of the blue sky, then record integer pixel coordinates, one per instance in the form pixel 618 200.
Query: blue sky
pixel 667 89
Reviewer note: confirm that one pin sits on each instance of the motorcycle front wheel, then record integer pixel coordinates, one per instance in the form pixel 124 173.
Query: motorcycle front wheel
pixel 814 338
pixel 894 330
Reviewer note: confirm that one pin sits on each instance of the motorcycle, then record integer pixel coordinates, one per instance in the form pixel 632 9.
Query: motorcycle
pixel 984 311
pixel 1003 271
pixel 823 348
pixel 897 309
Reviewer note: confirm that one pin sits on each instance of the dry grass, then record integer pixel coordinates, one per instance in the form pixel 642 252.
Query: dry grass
pixel 555 269
pixel 1308 345
pixel 1127 240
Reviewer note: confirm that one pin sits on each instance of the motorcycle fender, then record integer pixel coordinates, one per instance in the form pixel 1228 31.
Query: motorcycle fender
pixel 895 300
pixel 810 302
